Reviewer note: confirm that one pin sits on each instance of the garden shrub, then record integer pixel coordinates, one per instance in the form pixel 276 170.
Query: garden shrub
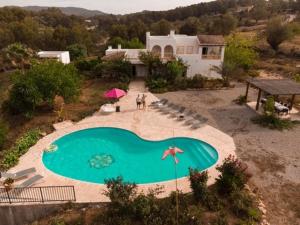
pixel 221 219
pixel 41 84
pixel 232 178
pixel 241 100
pixel 273 122
pixel 3 133
pixel 120 193
pixel 269 107
pixel 12 155
pixel 296 77
pixel 77 51
pixel 198 182
pixel 243 206
pixel 86 64
pixel 158 85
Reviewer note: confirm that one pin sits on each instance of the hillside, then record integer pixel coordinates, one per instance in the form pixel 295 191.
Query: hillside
pixel 68 11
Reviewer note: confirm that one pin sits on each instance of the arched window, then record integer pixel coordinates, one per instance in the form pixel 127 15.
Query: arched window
pixel 156 50
pixel 168 51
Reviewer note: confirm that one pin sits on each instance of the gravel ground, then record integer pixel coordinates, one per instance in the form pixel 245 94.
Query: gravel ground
pixel 273 157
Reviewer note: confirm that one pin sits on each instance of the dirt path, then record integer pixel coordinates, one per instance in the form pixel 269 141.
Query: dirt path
pixel 273 156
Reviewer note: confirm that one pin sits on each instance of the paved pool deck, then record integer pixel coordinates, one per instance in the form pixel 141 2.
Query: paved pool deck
pixel 148 124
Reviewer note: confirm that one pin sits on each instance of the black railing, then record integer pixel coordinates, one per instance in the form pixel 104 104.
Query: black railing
pixel 37 194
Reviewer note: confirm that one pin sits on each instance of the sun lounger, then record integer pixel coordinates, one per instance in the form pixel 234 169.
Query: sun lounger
pixel 18 175
pixel 178 112
pixel 170 109
pixel 199 122
pixel 197 118
pixel 162 103
pixel 158 102
pixel 166 106
pixel 185 116
pixel 30 181
pixel 107 109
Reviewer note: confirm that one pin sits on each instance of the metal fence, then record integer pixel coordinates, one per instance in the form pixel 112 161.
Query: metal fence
pixel 37 194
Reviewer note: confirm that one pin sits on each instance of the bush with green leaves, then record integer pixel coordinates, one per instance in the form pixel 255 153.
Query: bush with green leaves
pixel 158 85
pixel 198 183
pixel 296 77
pixel 77 51
pixel 3 133
pixel 87 65
pixel 274 123
pixel 269 106
pixel 120 193
pixel 277 31
pixel 12 155
pixel 232 176
pixel 241 100
pixel 239 58
pixel 244 206
pixel 41 84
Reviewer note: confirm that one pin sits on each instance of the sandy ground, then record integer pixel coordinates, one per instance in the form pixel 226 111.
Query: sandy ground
pixel 273 156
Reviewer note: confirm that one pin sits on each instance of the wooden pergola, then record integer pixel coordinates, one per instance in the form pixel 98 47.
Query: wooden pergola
pixel 275 88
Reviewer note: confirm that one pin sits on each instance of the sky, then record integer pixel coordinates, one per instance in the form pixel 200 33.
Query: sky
pixel 108 6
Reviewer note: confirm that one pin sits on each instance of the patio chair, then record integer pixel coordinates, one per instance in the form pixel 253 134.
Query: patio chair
pixel 195 118
pixel 162 103
pixel 19 174
pixel 187 115
pixel 166 106
pixel 167 110
pixel 178 112
pixel 30 181
pixel 155 103
pixel 199 122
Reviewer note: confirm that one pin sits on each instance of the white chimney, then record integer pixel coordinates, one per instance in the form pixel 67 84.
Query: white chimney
pixel 148 34
pixel 109 47
pixel 119 46
pixel 172 32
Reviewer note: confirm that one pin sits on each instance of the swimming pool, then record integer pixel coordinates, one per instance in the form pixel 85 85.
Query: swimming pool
pixel 96 154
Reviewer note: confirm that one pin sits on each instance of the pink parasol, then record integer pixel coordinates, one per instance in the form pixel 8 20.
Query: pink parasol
pixel 172 151
pixel 115 93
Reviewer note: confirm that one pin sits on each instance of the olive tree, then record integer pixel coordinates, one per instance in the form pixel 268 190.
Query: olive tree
pixel 277 32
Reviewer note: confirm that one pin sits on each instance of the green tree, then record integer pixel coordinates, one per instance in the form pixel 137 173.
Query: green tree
pixel 41 84
pixel 239 57
pixel 77 51
pixel 223 24
pixel 174 69
pixel 277 32
pixel 191 26
pixel 162 27
pixel 151 61
pixel 259 10
pixel 118 30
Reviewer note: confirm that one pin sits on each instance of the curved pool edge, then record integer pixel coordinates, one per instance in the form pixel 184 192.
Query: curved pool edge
pixel 139 137
pixel 218 139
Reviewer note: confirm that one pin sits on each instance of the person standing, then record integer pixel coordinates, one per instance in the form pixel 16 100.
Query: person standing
pixel 144 101
pixel 138 102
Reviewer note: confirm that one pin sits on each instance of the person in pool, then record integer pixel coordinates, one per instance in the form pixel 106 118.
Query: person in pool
pixel 138 102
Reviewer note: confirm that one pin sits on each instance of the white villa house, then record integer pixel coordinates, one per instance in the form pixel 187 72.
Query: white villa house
pixel 61 56
pixel 200 53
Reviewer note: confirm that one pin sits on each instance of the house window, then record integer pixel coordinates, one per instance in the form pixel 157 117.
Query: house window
pixel 180 50
pixel 189 50
pixel 211 52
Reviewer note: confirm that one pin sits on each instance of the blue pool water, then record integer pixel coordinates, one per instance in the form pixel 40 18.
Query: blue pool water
pixel 96 154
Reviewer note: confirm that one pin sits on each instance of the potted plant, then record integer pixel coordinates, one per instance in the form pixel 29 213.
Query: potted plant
pixel 8 183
